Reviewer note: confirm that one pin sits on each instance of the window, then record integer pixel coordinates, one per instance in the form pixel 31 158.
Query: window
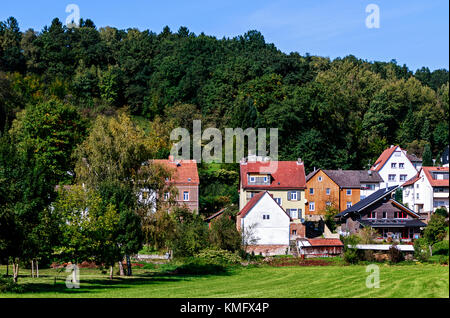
pixel 311 190
pixel 312 206
pixel 293 213
pixel 403 177
pixel 266 216
pixel 373 215
pixel 328 203
pixel 401 165
pixel 186 196
pixel 294 195
pixel 362 197
pixel 438 204
pixel 400 215
pixel 384 215
pixel 300 213
pixel 278 200
pixel 167 179
pixel 294 232
pixel 349 205
pixel 328 191
pixel 320 179
pixel 166 196
pixel 349 191
pixel 189 179
pixel 393 165
pixel 252 179
pixel 397 154
pixel 265 179
pixel 417 186
pixel 391 177
pixel 417 196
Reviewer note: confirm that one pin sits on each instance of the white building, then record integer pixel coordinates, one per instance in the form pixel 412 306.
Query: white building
pixel 394 167
pixel 427 191
pixel 264 224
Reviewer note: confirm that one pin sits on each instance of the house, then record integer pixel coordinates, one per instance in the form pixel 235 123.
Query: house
pixel 339 188
pixel 444 157
pixel 380 211
pixel 427 191
pixel 265 225
pixel 185 179
pixel 416 161
pixel 284 180
pixel 394 166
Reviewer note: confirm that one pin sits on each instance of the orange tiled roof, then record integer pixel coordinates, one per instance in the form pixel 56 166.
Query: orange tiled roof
pixel 325 242
pixel 412 180
pixel 184 169
pixel 387 153
pixel 286 175
pixel 434 182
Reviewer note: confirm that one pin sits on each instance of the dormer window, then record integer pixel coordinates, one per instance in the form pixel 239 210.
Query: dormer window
pixel 252 179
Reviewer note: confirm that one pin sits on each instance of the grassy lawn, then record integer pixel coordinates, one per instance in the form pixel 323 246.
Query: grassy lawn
pixel 418 280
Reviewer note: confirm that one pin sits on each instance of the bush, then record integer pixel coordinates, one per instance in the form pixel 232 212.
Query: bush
pixel 218 256
pixel 443 259
pixel 7 285
pixel 421 250
pixel 436 229
pixel 441 248
pixel 442 212
pixel 351 256
pixel 369 255
pixel 395 255
pixel 200 266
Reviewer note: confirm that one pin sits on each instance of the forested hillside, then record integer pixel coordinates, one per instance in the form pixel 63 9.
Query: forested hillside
pixel 333 114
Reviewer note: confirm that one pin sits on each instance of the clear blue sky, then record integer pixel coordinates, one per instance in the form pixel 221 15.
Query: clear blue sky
pixel 414 32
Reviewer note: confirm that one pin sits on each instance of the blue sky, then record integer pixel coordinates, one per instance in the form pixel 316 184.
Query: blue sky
pixel 414 32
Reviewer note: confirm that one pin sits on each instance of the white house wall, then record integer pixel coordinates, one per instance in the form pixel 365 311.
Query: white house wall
pixel 272 231
pixel 397 157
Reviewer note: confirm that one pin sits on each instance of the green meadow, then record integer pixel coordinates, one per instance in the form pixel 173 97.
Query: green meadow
pixel 335 281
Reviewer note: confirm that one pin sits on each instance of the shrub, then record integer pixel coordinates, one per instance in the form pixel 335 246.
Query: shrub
pixel 200 266
pixel 7 285
pixel 218 256
pixel 441 248
pixel 395 255
pixel 421 250
pixel 443 259
pixel 351 255
pixel 367 235
pixel 436 229
pixel 369 255
pixel 442 212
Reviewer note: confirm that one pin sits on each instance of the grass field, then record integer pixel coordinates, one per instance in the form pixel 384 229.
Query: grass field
pixel 418 280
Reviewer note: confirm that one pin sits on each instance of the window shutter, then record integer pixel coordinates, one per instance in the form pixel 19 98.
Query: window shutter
pixel 298 196
pixel 289 195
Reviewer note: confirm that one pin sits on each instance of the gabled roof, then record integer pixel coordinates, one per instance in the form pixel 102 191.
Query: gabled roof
pixel 250 204
pixel 284 175
pixel 413 158
pixel 383 158
pixel 211 217
pixel 371 199
pixel 350 178
pixel 183 170
pixel 434 182
pixel 253 201
pixel 404 208
pixel 412 180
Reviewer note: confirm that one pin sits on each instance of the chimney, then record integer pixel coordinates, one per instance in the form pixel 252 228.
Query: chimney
pixel 369 172
pixel 387 186
pixel 299 161
pixel 170 158
pixel 392 146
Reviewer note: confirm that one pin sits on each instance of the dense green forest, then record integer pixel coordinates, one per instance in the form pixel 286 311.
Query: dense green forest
pixel 339 113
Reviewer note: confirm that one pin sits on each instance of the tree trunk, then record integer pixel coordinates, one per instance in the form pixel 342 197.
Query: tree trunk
pixel 15 271
pixel 111 272
pixel 37 269
pixel 7 267
pixel 121 268
pixel 32 268
pixel 129 273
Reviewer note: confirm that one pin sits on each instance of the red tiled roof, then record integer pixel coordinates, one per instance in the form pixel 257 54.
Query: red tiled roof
pixel 387 153
pixel 184 169
pixel 434 182
pixel 325 242
pixel 412 180
pixel 284 175
pixel 250 204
